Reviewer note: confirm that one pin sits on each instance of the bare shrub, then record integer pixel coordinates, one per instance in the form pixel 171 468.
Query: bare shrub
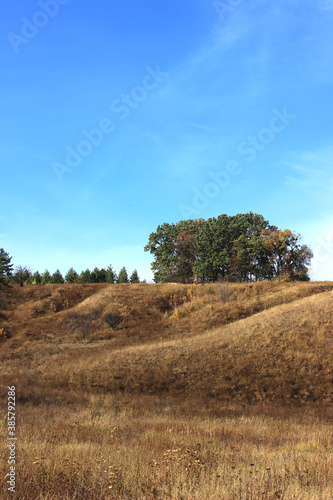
pixel 83 322
pixel 113 319
pixel 224 291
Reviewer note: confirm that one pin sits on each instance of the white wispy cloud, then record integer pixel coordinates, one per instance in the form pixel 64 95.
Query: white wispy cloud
pixel 203 127
pixel 326 5
pixel 312 172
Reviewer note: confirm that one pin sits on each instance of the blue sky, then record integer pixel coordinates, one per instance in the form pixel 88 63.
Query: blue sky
pixel 119 116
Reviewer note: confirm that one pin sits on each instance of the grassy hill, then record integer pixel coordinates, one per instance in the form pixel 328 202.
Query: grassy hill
pixel 195 379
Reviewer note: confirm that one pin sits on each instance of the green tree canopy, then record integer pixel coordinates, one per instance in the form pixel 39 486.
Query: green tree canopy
pixel 229 247
pixel 243 247
pixel 286 256
pixel 168 252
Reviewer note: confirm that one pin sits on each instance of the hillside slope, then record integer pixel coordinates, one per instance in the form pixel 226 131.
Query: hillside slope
pixel 201 392
pixel 281 354
pixel 69 313
pixel 247 343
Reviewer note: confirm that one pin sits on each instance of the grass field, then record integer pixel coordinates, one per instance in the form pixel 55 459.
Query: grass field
pixel 220 391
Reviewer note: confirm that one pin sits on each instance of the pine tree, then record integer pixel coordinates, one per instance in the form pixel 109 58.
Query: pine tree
pixel 123 276
pixel 57 277
pixel 46 277
pixel 85 276
pixel 98 275
pixel 6 267
pixel 111 275
pixel 135 277
pixel 36 278
pixel 71 275
pixel 102 275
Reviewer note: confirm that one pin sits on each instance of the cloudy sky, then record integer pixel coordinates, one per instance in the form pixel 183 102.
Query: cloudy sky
pixel 119 116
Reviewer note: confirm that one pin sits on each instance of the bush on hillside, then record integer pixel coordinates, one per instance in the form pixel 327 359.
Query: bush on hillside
pixel 113 319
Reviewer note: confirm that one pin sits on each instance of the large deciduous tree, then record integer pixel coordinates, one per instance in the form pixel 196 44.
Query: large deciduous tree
pixel 243 247
pixel 286 257
pixel 161 245
pixel 213 259
pixel 168 248
pixel 186 254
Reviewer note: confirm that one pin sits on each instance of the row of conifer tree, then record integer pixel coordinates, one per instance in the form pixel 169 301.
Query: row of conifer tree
pixel 22 275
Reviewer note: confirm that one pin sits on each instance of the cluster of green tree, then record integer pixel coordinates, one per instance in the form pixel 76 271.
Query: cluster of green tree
pixel 240 248
pixel 23 275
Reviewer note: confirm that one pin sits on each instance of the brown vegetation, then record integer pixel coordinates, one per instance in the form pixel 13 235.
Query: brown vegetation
pixel 194 392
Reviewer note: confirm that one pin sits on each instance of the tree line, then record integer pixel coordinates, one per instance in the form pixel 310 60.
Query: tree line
pixel 23 275
pixel 239 248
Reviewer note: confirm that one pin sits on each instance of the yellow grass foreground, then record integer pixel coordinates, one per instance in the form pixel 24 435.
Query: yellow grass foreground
pixel 221 391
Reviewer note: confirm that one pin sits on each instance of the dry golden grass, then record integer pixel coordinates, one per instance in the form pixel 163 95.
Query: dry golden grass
pixel 220 391
pixel 147 447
